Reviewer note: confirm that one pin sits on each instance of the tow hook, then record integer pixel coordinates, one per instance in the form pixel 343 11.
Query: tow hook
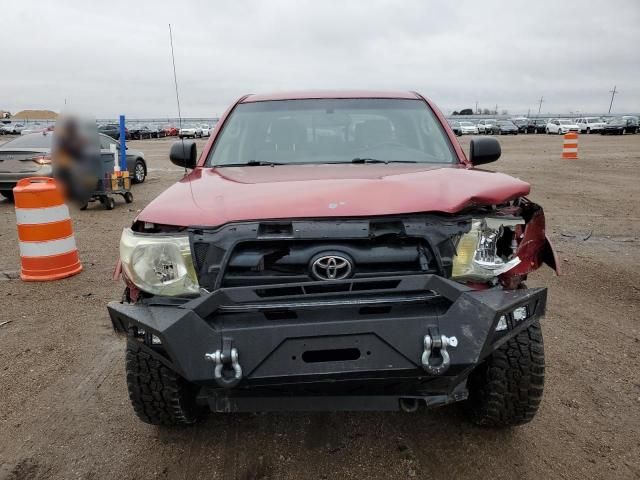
pixel 440 343
pixel 226 361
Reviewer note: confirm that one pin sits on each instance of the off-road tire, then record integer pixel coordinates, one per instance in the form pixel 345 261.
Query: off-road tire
pixel 506 389
pixel 158 394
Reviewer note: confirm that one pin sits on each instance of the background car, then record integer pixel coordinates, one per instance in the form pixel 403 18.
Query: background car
pixel 484 126
pixel 502 127
pixel 13 128
pixel 561 126
pixel 206 130
pixel 633 123
pixel 112 130
pixel 170 130
pixel 537 125
pixel 521 123
pixel 468 128
pixel 30 156
pixel 620 125
pixel 590 124
pixel 190 131
pixel 455 126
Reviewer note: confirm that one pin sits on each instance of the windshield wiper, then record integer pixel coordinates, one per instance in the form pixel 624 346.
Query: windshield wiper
pixel 375 160
pixel 252 163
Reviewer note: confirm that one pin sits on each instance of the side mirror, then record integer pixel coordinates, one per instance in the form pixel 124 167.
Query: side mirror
pixel 184 154
pixel 484 150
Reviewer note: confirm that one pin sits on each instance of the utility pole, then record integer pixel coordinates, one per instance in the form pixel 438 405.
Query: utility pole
pixel 476 110
pixel 540 105
pixel 613 94
pixel 496 108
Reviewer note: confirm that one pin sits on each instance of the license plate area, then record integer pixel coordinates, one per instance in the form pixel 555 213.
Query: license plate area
pixel 331 354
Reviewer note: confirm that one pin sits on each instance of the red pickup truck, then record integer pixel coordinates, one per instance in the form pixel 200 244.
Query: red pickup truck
pixel 334 251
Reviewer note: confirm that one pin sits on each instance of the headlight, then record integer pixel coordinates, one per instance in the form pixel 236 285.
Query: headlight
pixel 479 257
pixel 158 264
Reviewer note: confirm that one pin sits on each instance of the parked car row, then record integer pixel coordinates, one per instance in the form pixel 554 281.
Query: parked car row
pixel 558 126
pixel 132 131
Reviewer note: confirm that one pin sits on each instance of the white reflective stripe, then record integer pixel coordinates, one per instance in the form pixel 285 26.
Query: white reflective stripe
pixel 570 150
pixel 30 216
pixel 44 249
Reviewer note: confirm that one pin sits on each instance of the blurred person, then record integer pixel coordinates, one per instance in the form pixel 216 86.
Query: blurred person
pixel 75 157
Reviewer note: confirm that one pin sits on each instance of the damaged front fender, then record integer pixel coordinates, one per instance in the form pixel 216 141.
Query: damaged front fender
pixel 534 248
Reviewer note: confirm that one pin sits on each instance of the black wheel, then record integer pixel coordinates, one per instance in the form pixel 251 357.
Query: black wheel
pixel 158 394
pixel 84 206
pixel 139 172
pixel 128 197
pixel 506 389
pixel 109 203
pixel 8 194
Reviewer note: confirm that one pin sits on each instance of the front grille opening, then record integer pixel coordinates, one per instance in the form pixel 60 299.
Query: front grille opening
pixel 335 355
pixel 328 288
pixel 276 259
pixel 275 230
pixel 376 285
pixel 200 253
pixel 375 310
pixel 280 315
pixel 279 292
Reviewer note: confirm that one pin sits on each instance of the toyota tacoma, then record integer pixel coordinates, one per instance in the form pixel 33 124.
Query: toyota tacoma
pixel 334 251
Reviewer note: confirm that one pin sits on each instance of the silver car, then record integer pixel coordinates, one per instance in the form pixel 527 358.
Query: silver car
pixel 30 156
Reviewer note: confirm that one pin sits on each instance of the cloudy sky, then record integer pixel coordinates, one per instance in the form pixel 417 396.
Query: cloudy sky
pixel 113 57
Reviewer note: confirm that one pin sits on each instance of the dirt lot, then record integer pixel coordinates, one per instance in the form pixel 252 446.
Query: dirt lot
pixel 64 411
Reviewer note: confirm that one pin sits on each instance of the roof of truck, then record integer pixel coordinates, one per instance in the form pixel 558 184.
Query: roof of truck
pixel 313 94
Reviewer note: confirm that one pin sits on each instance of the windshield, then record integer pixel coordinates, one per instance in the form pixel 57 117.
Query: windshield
pixel 565 122
pixel 504 123
pixel 331 131
pixel 466 124
pixel 34 140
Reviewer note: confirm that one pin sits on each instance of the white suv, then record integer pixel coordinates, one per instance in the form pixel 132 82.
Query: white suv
pixel 561 126
pixel 484 126
pixel 590 124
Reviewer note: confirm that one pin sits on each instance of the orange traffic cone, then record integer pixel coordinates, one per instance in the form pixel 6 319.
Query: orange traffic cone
pixel 47 246
pixel 570 147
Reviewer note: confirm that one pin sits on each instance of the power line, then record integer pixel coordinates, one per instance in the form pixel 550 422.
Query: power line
pixel 613 94
pixel 540 105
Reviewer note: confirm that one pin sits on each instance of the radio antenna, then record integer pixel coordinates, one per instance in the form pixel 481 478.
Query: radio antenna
pixel 175 82
pixel 175 77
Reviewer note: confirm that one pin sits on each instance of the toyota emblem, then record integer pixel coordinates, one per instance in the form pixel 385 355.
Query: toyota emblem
pixel 331 267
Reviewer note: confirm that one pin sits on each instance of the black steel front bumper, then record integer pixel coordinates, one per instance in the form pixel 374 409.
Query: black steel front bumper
pixel 351 345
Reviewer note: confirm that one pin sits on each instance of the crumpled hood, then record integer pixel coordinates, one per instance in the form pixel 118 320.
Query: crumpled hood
pixel 215 196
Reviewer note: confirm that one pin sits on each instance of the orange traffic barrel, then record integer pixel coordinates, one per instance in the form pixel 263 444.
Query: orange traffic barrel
pixel 47 245
pixel 570 147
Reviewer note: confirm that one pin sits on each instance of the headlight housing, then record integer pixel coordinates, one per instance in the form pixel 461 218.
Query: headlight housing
pixel 482 253
pixel 158 264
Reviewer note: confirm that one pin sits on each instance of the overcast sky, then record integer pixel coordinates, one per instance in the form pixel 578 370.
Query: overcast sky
pixel 113 57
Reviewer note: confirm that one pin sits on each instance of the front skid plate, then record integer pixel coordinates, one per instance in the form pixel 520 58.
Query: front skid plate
pixel 387 344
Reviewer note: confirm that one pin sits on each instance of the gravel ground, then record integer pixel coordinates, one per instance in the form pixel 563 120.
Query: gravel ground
pixel 64 410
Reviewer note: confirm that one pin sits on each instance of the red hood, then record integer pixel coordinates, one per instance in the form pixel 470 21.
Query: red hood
pixel 211 197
